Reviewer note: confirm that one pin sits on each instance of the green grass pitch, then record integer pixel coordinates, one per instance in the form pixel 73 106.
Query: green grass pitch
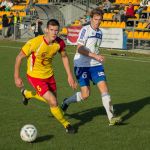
pixel 129 84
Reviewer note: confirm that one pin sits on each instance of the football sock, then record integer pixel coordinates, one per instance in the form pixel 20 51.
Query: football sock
pixel 106 100
pixel 73 99
pixel 57 113
pixel 30 94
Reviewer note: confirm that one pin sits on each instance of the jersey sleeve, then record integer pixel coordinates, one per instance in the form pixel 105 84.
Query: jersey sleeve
pixel 82 36
pixel 61 44
pixel 27 48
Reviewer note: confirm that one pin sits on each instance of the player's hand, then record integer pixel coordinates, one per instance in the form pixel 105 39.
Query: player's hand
pixel 19 82
pixel 99 58
pixel 72 83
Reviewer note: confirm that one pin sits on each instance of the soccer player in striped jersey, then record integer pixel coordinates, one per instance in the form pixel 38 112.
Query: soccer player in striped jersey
pixel 88 65
pixel 39 52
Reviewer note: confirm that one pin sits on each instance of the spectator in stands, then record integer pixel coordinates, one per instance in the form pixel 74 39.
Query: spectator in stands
pixel 5 25
pixel 119 16
pixel 129 12
pixel 11 25
pixel 38 27
pixel 3 5
pixel 107 6
pixel 143 6
pixel 17 22
pixel 9 5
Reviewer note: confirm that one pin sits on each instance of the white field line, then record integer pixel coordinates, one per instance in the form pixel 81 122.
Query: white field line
pixel 123 58
pixel 110 56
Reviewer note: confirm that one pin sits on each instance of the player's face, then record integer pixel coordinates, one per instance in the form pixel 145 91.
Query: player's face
pixel 52 32
pixel 95 21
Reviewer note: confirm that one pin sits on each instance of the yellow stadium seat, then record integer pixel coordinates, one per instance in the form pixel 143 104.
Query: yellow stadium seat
pixel 105 16
pixel 125 2
pixel 140 25
pixel 0 26
pixel 63 31
pixel 109 24
pixel 135 34
pixel 118 24
pixel 148 8
pixel 117 2
pixel 130 34
pixel 137 16
pixel 105 24
pixel 113 25
pixel 136 7
pixel 101 24
pixel 141 36
pixel 135 1
pixel 146 35
pixel 144 25
pixel 123 25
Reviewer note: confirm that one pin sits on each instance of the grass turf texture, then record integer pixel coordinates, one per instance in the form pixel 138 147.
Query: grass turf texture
pixel 129 83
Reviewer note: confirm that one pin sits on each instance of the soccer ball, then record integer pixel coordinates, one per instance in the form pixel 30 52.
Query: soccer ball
pixel 28 133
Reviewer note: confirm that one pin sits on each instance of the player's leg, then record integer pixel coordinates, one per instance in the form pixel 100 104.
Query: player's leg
pixel 77 97
pixel 106 99
pixel 27 95
pixel 57 112
pixel 35 83
pixel 99 78
pixel 83 80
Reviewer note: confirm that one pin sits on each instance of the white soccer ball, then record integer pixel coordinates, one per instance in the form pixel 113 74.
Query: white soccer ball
pixel 28 133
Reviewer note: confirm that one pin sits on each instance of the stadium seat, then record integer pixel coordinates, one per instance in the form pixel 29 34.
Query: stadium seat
pixel 144 25
pixel 135 1
pixel 104 24
pixel 117 2
pixel 140 25
pixel 118 24
pixel 105 16
pixel 101 24
pixel 141 35
pixel 148 9
pixel 130 34
pixel 113 25
pixel 146 35
pixel 63 31
pixel 125 2
pixel 43 1
pixel 123 25
pixel 109 24
pixel 136 34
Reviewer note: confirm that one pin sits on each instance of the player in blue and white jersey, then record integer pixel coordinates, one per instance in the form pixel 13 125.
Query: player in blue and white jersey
pixel 88 66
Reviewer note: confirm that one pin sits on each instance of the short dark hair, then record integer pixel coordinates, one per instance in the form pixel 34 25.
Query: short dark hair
pixel 96 11
pixel 53 22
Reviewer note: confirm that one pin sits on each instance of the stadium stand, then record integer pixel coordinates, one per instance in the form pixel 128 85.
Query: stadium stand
pixel 73 13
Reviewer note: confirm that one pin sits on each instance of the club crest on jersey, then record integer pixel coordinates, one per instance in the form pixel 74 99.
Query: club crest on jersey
pixel 43 54
pixel 98 35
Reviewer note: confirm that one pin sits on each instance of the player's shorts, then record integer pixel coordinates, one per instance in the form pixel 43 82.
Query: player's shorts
pixel 43 85
pixel 85 74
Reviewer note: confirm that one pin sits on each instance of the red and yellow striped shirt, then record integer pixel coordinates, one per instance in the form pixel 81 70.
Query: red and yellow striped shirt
pixel 40 54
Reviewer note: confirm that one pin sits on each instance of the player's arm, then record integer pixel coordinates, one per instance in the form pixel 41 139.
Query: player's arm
pixel 83 50
pixel 66 64
pixel 17 78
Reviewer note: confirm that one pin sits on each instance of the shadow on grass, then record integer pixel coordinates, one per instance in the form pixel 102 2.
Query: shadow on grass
pixel 43 138
pixel 131 108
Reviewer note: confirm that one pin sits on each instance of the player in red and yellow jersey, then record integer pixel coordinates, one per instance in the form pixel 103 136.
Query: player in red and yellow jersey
pixel 39 52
